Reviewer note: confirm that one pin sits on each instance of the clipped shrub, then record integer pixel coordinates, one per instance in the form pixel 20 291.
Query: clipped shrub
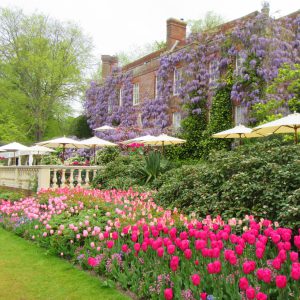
pixel 260 179
pixel 119 173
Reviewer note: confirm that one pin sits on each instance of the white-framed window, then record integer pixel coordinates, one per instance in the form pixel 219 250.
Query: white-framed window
pixel 136 94
pixel 240 115
pixel 120 97
pixel 109 107
pixel 176 120
pixel 239 62
pixel 157 80
pixel 177 81
pixel 139 120
pixel 214 73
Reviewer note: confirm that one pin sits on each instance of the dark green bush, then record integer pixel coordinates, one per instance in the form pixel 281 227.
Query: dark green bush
pixel 260 179
pixel 120 173
pixel 107 154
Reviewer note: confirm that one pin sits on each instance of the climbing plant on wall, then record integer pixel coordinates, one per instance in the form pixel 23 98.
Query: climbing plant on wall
pixel 259 43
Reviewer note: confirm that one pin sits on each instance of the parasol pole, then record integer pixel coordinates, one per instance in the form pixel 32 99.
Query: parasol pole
pixel 63 156
pixel 95 154
pixel 240 139
pixel 296 135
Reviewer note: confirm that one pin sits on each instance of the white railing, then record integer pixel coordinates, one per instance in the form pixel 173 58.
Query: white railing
pixel 38 177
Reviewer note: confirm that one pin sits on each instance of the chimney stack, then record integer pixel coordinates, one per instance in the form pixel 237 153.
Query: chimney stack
pixel 108 63
pixel 176 31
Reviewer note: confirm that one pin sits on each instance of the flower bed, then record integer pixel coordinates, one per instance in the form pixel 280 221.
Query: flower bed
pixel 158 253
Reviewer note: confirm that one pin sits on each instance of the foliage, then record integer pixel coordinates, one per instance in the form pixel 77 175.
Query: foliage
pixel 107 154
pixel 158 253
pixel 119 173
pixel 41 69
pixel 260 178
pixel 153 167
pixel 283 93
pixel 79 127
pixel 136 52
pixel 208 23
pixel 8 194
pixel 51 159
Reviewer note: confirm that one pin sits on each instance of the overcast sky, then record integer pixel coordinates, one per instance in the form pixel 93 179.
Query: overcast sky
pixel 117 25
pixel 120 25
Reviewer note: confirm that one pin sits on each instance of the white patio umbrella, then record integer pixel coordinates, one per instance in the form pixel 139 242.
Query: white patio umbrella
pixel 94 142
pixel 237 132
pixel 140 139
pixel 288 124
pixel 40 149
pixel 64 142
pixel 14 147
pixel 163 140
pixel 34 150
pixel 104 127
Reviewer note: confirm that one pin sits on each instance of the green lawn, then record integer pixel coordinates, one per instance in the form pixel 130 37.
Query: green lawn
pixel 26 273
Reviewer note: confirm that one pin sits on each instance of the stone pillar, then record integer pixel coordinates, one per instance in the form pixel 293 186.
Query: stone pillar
pixel 44 178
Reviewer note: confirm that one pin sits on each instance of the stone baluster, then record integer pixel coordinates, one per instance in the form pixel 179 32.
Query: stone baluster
pixel 55 178
pixel 63 178
pixel 87 178
pixel 79 180
pixel 71 178
pixel 94 174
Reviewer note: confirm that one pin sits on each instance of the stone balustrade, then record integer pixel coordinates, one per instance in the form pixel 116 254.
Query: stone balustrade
pixel 40 177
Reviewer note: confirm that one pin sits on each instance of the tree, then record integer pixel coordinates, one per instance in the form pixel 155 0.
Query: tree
pixel 126 57
pixel 42 64
pixel 210 21
pixel 80 128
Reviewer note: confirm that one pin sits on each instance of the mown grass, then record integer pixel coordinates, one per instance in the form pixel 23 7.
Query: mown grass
pixel 27 272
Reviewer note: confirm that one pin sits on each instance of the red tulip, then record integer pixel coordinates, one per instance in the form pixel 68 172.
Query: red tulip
pixel 276 263
pixel 294 256
pixel 160 252
pixel 92 261
pixel 137 246
pixel 297 241
pixel 295 272
pixel 261 296
pixel 188 253
pixel 195 279
pixel 168 294
pixel 250 293
pixel 124 248
pixel 171 249
pixel 280 281
pixel 110 244
pixel 243 283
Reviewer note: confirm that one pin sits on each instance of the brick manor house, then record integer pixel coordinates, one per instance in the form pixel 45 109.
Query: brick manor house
pixel 123 92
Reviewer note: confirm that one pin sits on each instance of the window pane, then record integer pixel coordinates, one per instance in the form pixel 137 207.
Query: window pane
pixel 136 96
pixel 177 81
pixel 214 73
pixel 176 120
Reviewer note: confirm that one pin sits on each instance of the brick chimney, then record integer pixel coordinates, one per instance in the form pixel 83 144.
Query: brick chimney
pixel 176 31
pixel 108 63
